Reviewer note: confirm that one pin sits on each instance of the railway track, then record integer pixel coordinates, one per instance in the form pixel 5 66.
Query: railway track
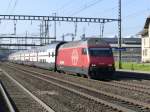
pixel 114 101
pixel 138 88
pixel 141 83
pixel 103 105
pixel 5 104
pixel 24 100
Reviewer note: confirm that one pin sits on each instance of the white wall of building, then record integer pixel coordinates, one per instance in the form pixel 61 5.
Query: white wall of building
pixel 146 47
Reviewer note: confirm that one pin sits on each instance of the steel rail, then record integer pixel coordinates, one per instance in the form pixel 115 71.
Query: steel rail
pixel 95 90
pixel 131 101
pixel 6 98
pixel 46 107
pixel 129 86
pixel 124 85
pixel 134 85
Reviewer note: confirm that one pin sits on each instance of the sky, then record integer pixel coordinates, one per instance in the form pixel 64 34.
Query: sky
pixel 134 14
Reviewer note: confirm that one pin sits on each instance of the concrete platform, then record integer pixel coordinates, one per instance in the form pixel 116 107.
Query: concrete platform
pixel 132 71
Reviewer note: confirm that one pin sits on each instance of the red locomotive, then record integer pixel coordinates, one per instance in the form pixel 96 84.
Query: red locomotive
pixel 91 57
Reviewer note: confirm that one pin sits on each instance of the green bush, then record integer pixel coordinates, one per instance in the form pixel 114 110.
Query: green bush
pixel 134 66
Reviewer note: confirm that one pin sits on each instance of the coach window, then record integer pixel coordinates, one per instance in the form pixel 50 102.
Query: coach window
pixel 53 54
pixel 41 60
pixel 146 52
pixel 84 51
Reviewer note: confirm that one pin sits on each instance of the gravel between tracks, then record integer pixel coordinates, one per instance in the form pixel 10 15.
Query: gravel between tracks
pixel 97 84
pixel 59 99
pixel 103 97
pixel 22 100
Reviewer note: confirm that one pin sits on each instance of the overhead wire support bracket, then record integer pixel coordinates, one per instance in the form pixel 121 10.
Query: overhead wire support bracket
pixel 20 45
pixel 52 18
pixel 57 18
pixel 23 37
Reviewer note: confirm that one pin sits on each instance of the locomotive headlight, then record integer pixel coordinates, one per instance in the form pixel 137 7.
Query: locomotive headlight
pixel 110 65
pixel 93 65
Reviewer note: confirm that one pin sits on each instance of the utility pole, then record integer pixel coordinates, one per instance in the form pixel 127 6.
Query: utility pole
pixel 73 37
pixel 14 27
pixel 48 31
pixel 26 40
pixel 45 25
pixel 55 26
pixel 63 37
pixel 119 35
pixel 15 33
pixel 10 43
pixel 40 34
pixel 75 30
pixel 101 29
pixel 42 30
pixel 83 35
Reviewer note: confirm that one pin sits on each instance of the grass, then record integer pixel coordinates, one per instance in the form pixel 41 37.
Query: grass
pixel 134 66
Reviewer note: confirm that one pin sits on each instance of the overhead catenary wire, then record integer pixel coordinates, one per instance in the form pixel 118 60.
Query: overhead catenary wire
pixel 9 4
pixel 86 7
pixel 7 9
pixel 136 13
pixel 129 3
pixel 15 4
pixel 89 7
pixel 90 4
pixel 64 5
pixel 132 15
pixel 125 29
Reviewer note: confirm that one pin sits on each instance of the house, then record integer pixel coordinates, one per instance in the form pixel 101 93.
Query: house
pixel 146 41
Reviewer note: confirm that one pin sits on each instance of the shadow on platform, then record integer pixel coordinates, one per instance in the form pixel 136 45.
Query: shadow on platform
pixel 124 75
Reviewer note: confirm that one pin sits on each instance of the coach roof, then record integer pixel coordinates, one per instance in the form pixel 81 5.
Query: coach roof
pixel 50 46
pixel 45 48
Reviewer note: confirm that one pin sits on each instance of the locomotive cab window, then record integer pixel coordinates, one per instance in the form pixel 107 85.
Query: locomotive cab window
pixel 100 52
pixel 84 51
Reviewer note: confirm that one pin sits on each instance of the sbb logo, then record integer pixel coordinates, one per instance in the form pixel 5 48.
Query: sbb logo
pixel 75 57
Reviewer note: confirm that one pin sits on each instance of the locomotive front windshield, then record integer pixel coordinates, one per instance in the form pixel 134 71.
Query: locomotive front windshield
pixel 100 52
